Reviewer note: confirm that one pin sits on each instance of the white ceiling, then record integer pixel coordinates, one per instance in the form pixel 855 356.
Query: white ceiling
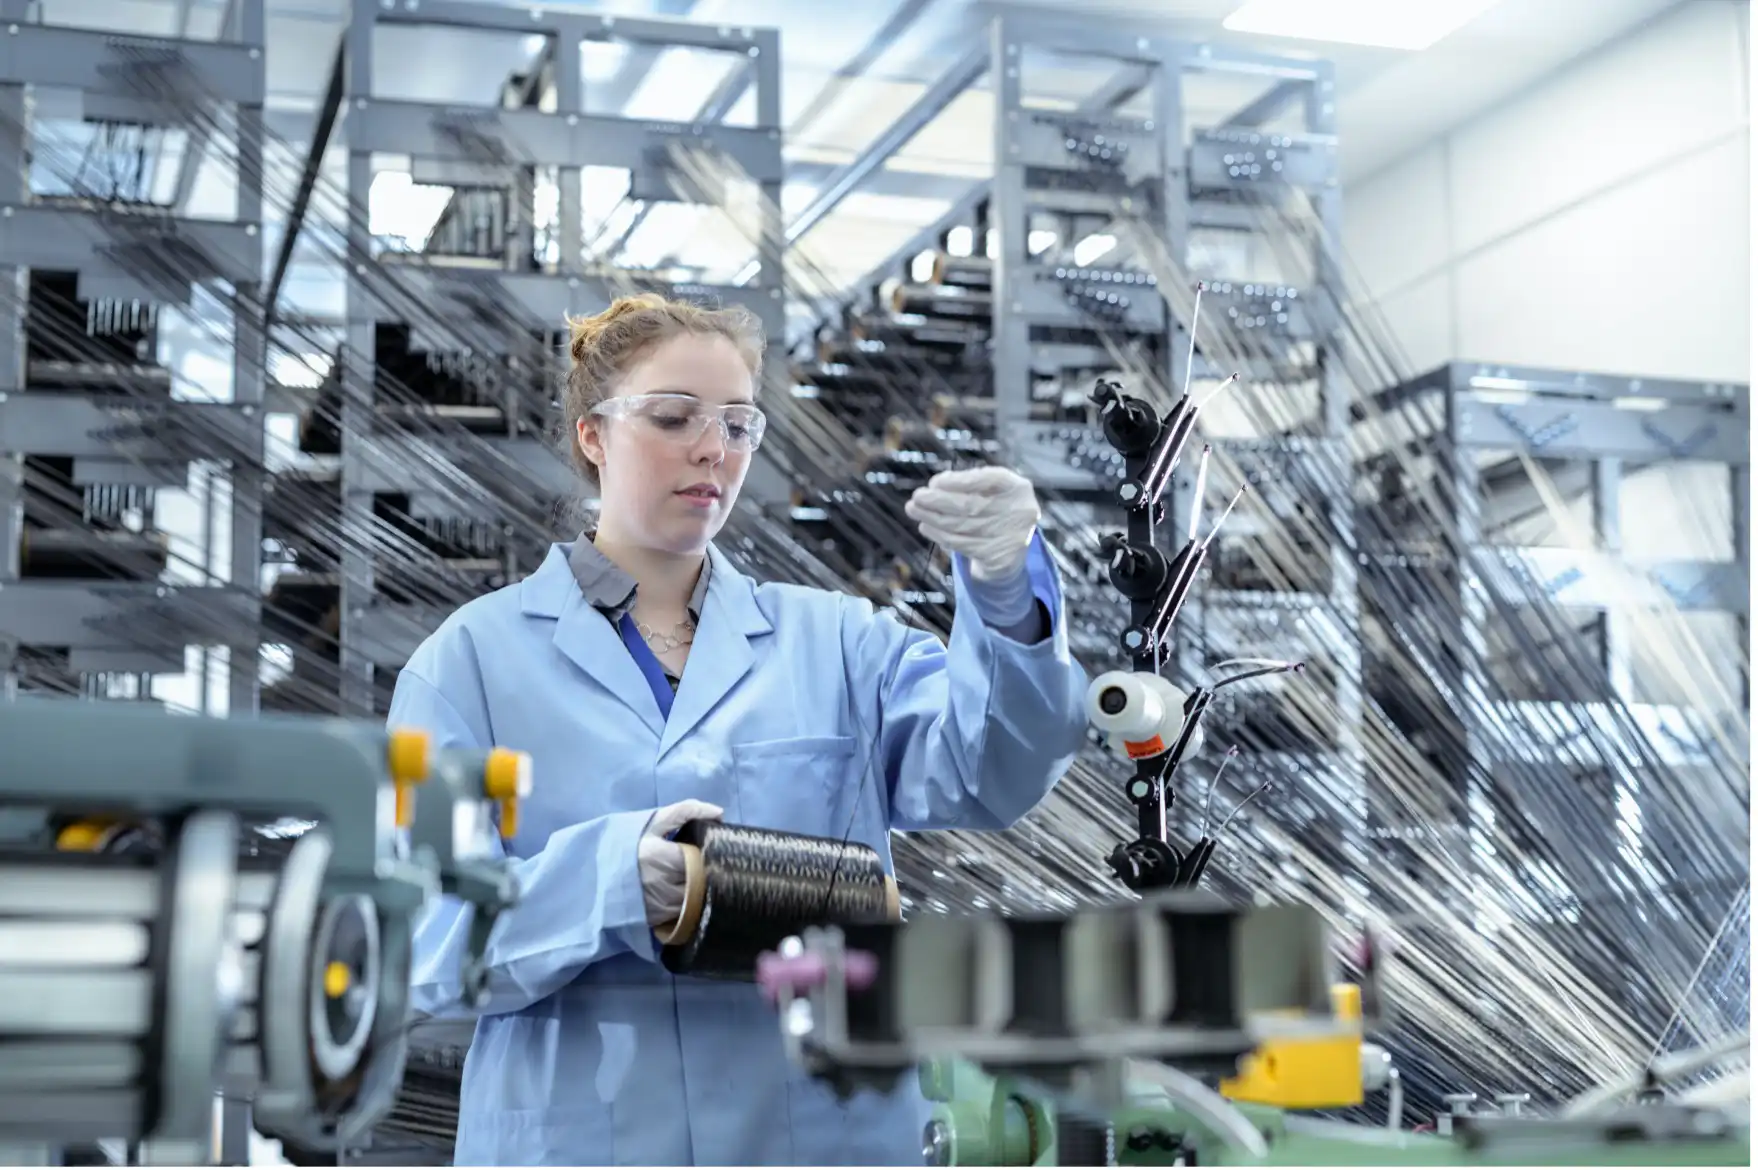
pixel 1389 102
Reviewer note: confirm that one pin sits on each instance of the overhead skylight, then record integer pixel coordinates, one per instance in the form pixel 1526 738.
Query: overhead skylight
pixel 1389 24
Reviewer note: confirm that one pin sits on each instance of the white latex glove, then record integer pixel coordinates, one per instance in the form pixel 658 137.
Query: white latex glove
pixel 987 513
pixel 661 861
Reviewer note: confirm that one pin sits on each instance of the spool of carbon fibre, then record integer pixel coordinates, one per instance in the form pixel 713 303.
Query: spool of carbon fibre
pixel 748 889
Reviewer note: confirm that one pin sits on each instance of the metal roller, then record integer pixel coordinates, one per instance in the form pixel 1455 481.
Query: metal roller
pixel 63 553
pixel 948 337
pixel 929 300
pixel 963 271
pixel 119 977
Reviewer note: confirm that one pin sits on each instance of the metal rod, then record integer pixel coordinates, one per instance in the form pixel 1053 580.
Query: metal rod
pixel 314 161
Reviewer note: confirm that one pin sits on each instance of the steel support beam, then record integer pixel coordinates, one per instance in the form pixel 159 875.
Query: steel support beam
pixel 572 25
pixel 106 67
pixel 1123 85
pixel 536 138
pixel 911 122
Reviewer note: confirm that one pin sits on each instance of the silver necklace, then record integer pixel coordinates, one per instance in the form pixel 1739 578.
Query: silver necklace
pixel 682 634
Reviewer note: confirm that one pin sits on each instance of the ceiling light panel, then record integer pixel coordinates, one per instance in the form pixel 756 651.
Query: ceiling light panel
pixel 1388 24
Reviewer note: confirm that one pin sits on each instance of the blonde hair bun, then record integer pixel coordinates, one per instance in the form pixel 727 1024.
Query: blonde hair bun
pixel 584 332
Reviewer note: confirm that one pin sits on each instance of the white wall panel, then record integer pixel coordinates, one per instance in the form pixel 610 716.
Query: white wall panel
pixel 1651 277
pixel 1601 220
pixel 1666 90
pixel 1397 228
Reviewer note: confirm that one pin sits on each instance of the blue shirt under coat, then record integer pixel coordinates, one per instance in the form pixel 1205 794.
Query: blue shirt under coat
pixel 801 710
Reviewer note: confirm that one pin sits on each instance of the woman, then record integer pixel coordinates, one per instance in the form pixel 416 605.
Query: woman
pixel 652 683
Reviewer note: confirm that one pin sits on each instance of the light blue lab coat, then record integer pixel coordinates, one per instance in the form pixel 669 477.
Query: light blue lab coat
pixel 800 710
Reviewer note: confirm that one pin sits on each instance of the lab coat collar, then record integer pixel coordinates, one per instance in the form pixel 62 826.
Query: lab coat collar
pixel 721 656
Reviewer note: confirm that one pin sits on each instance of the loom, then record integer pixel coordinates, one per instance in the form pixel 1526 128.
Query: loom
pixel 1177 1030
pixel 428 407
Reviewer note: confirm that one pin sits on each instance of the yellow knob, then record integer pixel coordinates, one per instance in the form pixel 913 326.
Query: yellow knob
pixel 83 836
pixel 408 758
pixel 337 979
pixel 1346 1001
pixel 408 754
pixel 506 778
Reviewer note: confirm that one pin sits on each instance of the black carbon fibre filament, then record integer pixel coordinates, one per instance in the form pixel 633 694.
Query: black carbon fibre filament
pixel 751 888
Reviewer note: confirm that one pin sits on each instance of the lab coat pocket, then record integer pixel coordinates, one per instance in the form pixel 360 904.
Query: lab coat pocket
pixel 793 784
pixel 867 1129
pixel 571 1136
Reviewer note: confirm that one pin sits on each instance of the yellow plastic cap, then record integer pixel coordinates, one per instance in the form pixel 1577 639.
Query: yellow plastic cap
pixel 506 775
pixel 408 758
pixel 337 980
pixel 506 778
pixel 409 755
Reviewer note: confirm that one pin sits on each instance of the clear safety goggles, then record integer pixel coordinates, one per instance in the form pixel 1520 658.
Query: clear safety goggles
pixel 684 419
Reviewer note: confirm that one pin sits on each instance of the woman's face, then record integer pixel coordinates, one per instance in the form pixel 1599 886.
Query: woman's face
pixel 667 474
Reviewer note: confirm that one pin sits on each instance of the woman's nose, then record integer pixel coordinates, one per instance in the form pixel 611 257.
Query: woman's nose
pixel 711 447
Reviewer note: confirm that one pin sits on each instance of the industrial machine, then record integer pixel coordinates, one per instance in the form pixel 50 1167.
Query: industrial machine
pixel 149 960
pixel 1175 1032
pixel 1177 1029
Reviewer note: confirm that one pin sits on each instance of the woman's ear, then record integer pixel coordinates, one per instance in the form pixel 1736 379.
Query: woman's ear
pixel 591 444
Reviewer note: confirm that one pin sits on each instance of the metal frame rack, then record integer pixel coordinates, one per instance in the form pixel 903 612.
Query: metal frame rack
pixel 445 142
pixel 1612 424
pixel 1530 737
pixel 1094 162
pixel 1527 732
pixel 124 432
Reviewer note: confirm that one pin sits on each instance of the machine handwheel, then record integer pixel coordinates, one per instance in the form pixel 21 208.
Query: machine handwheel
pixel 343 984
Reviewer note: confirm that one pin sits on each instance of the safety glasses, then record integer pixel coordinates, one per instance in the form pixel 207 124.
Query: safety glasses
pixel 684 419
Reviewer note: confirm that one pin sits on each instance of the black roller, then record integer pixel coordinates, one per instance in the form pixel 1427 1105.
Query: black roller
pixel 1083 1141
